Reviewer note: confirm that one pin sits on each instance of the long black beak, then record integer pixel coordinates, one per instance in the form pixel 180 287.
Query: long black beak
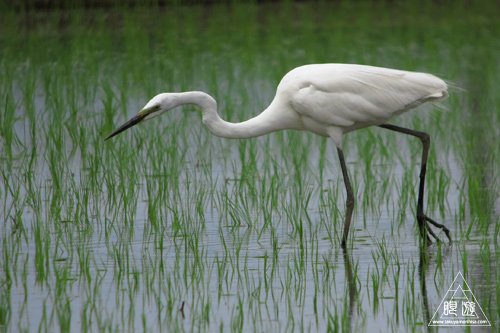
pixel 133 121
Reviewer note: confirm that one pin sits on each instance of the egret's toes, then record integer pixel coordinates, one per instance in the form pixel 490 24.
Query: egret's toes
pixel 437 225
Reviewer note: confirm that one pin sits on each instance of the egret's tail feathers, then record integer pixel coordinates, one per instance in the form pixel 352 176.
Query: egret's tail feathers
pixel 440 96
pixel 453 87
pixel 441 106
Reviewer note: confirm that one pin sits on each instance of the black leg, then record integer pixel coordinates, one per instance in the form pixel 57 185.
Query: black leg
pixel 421 217
pixel 350 197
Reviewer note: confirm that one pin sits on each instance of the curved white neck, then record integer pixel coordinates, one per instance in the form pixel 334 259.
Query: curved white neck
pixel 262 124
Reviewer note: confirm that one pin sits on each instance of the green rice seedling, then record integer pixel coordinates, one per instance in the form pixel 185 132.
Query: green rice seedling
pixel 42 254
pixel 396 271
pixel 63 313
pixel 463 257
pixel 237 316
pixel 376 285
pixel 439 259
pixel 496 234
pixel 13 202
pixel 5 307
pixel 43 325
pixel 485 252
pixel 8 119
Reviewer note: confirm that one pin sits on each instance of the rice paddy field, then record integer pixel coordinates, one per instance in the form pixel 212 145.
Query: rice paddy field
pixel 168 228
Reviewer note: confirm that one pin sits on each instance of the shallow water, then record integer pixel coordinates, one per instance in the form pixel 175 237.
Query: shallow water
pixel 169 228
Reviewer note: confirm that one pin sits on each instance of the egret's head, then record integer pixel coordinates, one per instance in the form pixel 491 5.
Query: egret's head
pixel 159 104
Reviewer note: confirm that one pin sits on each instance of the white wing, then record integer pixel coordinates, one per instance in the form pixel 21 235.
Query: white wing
pixel 356 96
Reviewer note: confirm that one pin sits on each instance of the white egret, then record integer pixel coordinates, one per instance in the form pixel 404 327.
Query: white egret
pixel 328 100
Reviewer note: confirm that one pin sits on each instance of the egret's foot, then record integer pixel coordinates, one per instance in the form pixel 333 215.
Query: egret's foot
pixel 424 219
